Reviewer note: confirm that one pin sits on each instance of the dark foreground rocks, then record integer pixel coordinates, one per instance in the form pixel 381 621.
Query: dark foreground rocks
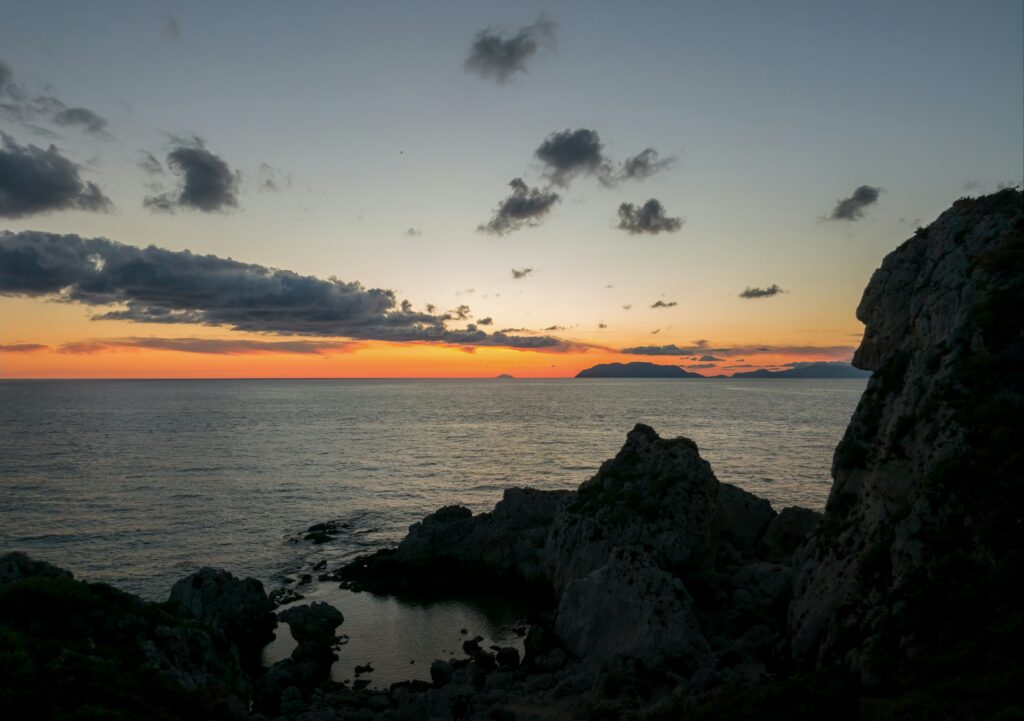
pixel 668 595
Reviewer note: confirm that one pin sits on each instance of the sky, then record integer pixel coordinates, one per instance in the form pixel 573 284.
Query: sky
pixel 268 189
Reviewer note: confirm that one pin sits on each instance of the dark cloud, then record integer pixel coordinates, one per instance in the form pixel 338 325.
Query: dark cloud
pixel 571 153
pixel 602 325
pixel 643 165
pixel 485 321
pixel 210 346
pixel 154 285
pixel 84 119
pixel 700 366
pixel 22 347
pixel 710 358
pixel 628 306
pixel 648 218
pixel 663 304
pixel 413 232
pixel 33 180
pixel 524 207
pixel 852 208
pixel 551 328
pixel 208 184
pixel 497 56
pixel 762 292
pixel 520 273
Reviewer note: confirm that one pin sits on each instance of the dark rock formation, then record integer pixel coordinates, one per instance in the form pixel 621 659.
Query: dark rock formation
pixel 70 649
pixel 640 561
pixel 238 607
pixel 16 566
pixel 922 538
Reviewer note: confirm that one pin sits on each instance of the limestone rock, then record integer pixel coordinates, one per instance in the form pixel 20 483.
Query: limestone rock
pixel 629 607
pixel 656 493
pixel 924 513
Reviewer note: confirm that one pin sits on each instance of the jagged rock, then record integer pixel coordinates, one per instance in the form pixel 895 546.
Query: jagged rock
pixel 238 607
pixel 742 516
pixel 657 493
pixel 282 596
pixel 16 565
pixel 921 534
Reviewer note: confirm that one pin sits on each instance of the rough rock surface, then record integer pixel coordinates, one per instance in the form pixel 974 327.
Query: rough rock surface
pixel 636 561
pixel 238 607
pixel 922 534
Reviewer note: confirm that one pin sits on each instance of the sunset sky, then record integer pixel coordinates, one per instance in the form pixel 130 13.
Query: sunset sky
pixel 347 157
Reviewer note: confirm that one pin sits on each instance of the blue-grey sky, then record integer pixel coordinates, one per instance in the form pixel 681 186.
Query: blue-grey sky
pixel 372 126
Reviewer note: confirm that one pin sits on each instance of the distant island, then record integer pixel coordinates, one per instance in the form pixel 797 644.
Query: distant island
pixel 504 375
pixel 810 370
pixel 640 369
pixel 635 370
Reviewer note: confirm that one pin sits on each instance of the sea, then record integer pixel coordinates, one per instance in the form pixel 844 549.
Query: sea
pixel 137 483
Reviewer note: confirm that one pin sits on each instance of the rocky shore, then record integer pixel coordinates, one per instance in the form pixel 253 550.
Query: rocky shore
pixel 662 593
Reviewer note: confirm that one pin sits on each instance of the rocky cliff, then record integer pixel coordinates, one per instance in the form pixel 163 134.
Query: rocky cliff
pixel 921 543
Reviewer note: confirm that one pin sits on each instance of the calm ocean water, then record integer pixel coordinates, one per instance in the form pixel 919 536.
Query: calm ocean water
pixel 137 483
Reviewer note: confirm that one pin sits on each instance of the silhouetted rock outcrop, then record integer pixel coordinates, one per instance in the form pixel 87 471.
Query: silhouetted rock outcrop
pixel 922 539
pixel 238 607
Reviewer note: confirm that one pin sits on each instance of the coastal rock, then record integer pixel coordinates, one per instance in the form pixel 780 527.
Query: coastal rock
pixel 238 607
pixel 656 493
pixel 71 648
pixel 313 627
pixel 787 531
pixel 629 607
pixel 313 623
pixel 921 535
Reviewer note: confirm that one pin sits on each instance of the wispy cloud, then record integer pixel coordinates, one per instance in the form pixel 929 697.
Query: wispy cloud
pixel 211 346
pixel 22 347
pixel 521 273
pixel 663 304
pixel 768 292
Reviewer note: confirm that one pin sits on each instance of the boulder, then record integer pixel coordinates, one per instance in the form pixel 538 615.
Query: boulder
pixel 238 607
pixel 313 623
pixel 629 607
